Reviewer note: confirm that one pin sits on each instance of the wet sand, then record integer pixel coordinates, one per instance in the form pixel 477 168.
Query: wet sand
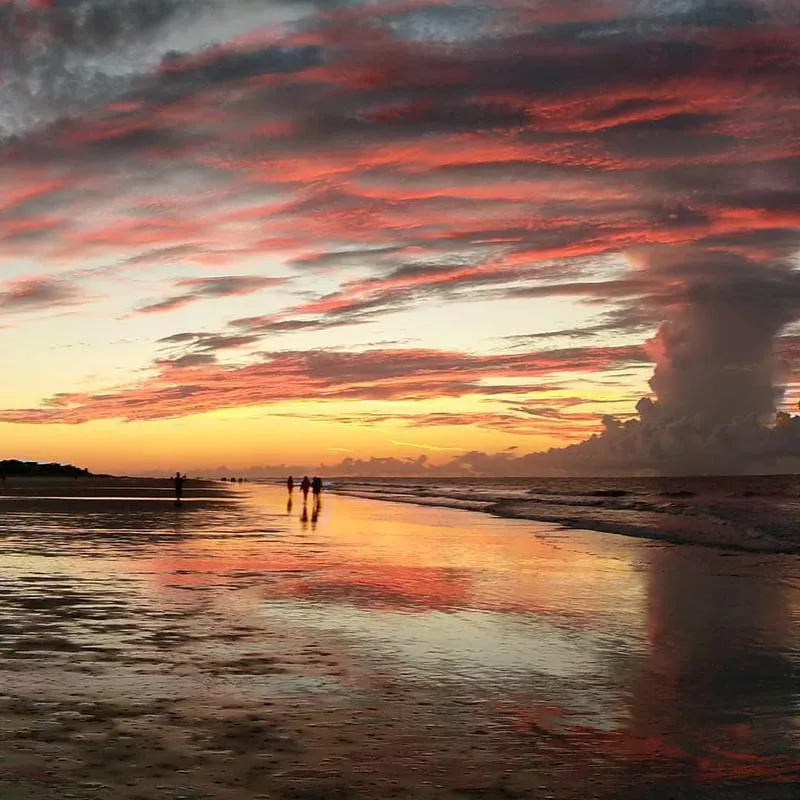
pixel 232 648
pixel 719 513
pixel 107 486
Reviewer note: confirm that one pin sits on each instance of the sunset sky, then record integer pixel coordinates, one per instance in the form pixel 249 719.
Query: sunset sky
pixel 254 232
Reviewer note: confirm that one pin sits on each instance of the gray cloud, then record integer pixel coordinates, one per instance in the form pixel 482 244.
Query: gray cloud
pixel 188 360
pixel 716 374
pixel 195 289
pixel 208 342
pixel 91 52
pixel 37 294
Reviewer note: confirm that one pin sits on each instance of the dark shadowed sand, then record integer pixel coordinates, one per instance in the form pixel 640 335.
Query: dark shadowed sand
pixel 234 649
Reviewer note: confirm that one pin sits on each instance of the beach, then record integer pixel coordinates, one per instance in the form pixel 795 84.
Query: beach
pixel 756 514
pixel 234 647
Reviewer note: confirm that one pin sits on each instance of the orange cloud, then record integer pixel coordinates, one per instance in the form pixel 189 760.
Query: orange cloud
pixel 179 389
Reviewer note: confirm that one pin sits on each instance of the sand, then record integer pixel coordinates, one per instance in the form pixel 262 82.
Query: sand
pixel 132 712
pixel 107 486
pixel 153 652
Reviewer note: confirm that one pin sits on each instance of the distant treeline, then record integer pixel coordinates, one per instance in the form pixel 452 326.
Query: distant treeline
pixel 12 467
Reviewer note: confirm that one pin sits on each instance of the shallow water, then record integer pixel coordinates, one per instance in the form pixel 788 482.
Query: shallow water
pixel 752 513
pixel 492 655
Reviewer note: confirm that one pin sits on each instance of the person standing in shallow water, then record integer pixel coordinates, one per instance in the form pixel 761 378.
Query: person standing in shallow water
pixel 178 482
pixel 290 484
pixel 305 485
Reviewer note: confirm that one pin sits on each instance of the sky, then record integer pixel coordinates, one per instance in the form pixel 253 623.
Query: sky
pixel 508 237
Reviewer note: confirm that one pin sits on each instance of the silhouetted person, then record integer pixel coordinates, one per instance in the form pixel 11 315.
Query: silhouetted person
pixel 290 484
pixel 305 485
pixel 316 489
pixel 178 481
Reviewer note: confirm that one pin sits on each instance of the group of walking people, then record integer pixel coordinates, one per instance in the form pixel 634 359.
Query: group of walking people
pixel 314 486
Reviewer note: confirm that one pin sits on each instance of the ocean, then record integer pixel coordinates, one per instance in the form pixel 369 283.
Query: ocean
pixel 757 513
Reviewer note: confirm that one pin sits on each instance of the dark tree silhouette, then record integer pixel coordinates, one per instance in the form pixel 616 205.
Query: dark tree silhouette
pixel 13 467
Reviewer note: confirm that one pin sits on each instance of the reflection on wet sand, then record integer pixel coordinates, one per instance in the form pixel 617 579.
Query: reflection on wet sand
pixel 233 648
pixel 722 663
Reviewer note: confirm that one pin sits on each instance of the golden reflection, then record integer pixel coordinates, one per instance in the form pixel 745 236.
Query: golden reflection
pixel 428 558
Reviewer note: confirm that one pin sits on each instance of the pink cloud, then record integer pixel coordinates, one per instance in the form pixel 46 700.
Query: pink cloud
pixel 180 388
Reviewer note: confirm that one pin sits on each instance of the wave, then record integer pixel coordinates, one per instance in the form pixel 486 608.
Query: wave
pixel 733 513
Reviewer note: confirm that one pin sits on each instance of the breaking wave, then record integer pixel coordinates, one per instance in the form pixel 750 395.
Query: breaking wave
pixel 739 513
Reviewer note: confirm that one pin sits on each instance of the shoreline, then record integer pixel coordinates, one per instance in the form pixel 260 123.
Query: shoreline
pixel 713 523
pixel 673 527
pixel 718 540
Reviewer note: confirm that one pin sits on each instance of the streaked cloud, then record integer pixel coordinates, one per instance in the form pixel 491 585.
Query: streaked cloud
pixel 37 294
pixel 191 290
pixel 189 386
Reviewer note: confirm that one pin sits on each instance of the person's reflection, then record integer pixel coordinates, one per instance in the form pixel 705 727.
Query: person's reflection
pixel 289 505
pixel 178 525
pixel 304 515
pixel 718 631
pixel 315 512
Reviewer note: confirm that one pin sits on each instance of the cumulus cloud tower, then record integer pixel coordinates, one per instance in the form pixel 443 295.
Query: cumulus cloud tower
pixel 715 381
pixel 714 354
